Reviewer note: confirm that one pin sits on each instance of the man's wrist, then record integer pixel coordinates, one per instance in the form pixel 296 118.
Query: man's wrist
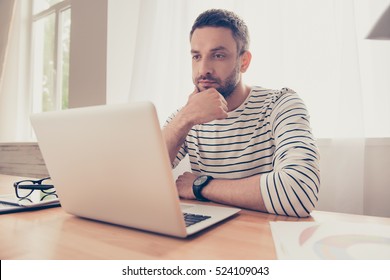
pixel 179 126
pixel 185 120
pixel 198 186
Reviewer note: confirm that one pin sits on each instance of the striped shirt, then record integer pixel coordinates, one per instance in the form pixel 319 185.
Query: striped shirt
pixel 268 134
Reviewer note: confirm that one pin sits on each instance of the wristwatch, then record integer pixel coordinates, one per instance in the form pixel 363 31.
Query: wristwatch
pixel 198 186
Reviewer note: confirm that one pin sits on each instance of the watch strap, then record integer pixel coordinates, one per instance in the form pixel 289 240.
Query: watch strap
pixel 197 189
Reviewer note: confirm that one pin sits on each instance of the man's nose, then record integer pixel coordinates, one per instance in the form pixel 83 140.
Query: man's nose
pixel 205 67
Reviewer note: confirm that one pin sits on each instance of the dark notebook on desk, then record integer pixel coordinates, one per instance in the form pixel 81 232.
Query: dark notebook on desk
pixel 9 203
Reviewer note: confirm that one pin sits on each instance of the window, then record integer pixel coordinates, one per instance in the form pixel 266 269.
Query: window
pixel 51 20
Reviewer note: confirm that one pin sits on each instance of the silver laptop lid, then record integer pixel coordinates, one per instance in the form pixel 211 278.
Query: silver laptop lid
pixel 110 163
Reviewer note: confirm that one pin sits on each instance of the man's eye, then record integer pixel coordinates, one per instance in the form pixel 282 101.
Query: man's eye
pixel 196 57
pixel 219 56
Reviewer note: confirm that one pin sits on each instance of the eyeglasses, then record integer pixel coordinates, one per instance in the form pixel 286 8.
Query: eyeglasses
pixel 24 189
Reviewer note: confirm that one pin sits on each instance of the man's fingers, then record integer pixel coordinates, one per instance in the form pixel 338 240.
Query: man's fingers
pixel 225 107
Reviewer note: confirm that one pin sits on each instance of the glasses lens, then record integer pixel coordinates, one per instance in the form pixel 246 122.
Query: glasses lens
pixel 24 188
pixel 49 197
pixel 48 192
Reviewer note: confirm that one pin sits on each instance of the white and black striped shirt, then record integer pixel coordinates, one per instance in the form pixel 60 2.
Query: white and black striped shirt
pixel 268 134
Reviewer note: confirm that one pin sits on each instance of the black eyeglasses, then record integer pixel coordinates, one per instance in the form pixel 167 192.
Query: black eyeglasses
pixel 23 189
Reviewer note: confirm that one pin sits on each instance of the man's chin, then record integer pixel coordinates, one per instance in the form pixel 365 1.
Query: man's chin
pixel 203 88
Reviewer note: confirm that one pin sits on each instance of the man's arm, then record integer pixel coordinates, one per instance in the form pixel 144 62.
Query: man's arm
pixel 292 187
pixel 243 193
pixel 202 107
pixel 175 133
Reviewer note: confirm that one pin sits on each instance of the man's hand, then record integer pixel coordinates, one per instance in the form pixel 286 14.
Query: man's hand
pixel 205 106
pixel 184 185
pixel 202 107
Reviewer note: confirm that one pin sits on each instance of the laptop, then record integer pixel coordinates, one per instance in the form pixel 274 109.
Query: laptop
pixel 110 163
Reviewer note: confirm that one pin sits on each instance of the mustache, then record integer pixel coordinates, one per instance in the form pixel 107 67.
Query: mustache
pixel 207 77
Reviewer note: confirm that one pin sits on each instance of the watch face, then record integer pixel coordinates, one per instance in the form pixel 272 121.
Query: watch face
pixel 200 180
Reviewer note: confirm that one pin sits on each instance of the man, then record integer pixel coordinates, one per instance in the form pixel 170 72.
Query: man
pixel 248 147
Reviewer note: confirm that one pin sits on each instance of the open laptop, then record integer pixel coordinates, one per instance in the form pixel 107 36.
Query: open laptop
pixel 110 163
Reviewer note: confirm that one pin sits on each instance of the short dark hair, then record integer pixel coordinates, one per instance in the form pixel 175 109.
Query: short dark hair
pixel 227 19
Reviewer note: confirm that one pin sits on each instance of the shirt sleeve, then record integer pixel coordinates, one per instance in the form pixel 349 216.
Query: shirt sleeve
pixel 183 149
pixel 292 187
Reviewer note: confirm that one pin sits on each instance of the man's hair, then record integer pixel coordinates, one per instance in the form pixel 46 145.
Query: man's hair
pixel 227 19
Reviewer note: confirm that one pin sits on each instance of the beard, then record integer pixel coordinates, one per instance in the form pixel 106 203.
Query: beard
pixel 226 87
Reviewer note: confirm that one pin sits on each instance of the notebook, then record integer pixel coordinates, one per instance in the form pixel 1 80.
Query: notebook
pixel 9 203
pixel 110 163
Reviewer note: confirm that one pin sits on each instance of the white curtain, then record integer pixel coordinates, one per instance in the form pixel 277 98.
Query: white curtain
pixel 14 108
pixel 318 48
pixel 6 11
pixel 6 16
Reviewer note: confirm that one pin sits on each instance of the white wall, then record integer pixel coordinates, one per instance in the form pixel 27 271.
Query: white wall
pixel 362 190
pixel 102 48
pixel 377 178
pixel 342 175
pixel 88 53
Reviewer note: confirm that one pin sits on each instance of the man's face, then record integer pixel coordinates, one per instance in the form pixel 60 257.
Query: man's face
pixel 215 60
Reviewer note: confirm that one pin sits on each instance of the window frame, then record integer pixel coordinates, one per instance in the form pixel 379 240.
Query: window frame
pixel 56 9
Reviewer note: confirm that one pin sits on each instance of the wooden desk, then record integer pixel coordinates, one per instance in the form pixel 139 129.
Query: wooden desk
pixel 54 234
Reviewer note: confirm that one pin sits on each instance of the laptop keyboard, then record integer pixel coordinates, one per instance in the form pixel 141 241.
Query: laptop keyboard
pixel 192 219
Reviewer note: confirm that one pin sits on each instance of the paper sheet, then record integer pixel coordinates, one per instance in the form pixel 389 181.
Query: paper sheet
pixel 331 240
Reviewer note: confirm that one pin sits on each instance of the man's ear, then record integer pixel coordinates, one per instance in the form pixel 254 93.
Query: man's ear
pixel 245 61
